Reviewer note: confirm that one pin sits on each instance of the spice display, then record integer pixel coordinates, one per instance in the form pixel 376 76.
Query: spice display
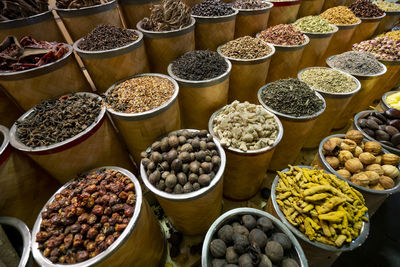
pixel 105 37
pixel 245 48
pixel 249 4
pixel 183 162
pixel 328 80
pixel 199 65
pixel 245 126
pixel 362 163
pixel 340 15
pixel 292 97
pixel 252 241
pixel 393 100
pixel 169 15
pixel 383 126
pixel 387 6
pixel 366 9
pixel 393 34
pixel 56 120
pixel 282 34
pixel 313 24
pixel 140 94
pixel 212 8
pixel 86 217
pixel 321 206
pixel 383 48
pixel 65 4
pixel 356 63
pixel 28 53
pixel 16 9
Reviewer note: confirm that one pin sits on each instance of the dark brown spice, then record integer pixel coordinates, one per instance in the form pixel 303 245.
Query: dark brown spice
pixel 65 4
pixel 282 34
pixel 366 9
pixel 16 9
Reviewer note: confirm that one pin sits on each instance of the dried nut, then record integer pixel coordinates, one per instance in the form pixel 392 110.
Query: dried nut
pixel 358 151
pixel 373 147
pixel 355 135
pixel 373 177
pixel 360 179
pixel 344 173
pixel 378 160
pixel 348 145
pixel 367 158
pixel 354 165
pixel 375 168
pixel 344 156
pixel 391 171
pixel 378 186
pixel 386 182
pixel 333 161
pixel 390 159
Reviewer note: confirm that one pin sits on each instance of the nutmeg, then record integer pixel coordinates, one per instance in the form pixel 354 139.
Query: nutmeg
pixel 354 165
pixel 390 159
pixel 373 147
pixel 344 156
pixel 386 182
pixel 333 161
pixel 348 145
pixel 366 158
pixel 391 171
pixel 355 135
pixel 344 173
pixel 375 168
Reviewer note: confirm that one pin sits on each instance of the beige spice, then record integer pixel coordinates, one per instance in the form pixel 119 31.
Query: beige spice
pixel 245 48
pixel 340 15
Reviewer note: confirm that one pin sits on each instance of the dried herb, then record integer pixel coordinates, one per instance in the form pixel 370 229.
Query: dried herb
pixel 168 16
pixel 16 9
pixel 356 63
pixel 366 9
pixel 105 37
pixel 245 48
pixel 383 48
pixel 249 4
pixel 340 15
pixel 212 8
pixel 56 120
pixel 282 34
pixel 65 4
pixel 314 24
pixel 387 6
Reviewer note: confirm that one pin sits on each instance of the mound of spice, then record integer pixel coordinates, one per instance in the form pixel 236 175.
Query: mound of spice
pixel 387 6
pixel 383 48
pixel 28 53
pixel 212 8
pixel 366 9
pixel 245 126
pixel 249 4
pixel 393 34
pixel 313 24
pixel 328 80
pixel 199 65
pixel 56 120
pixel 105 37
pixel 321 206
pixel 292 97
pixel 169 15
pixel 251 240
pixel 356 63
pixel 245 48
pixel 282 34
pixel 66 4
pixel 340 15
pixel 16 9
pixel 86 217
pixel 183 162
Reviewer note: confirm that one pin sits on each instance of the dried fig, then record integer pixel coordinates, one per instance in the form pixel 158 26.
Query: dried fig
pixel 367 158
pixel 373 147
pixel 355 135
pixel 353 165
pixel 333 161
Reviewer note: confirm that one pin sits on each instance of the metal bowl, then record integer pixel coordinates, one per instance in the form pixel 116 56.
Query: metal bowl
pixel 383 103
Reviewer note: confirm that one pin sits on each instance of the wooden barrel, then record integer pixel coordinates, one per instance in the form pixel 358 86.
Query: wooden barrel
pixel 388 22
pixel 81 21
pixel 283 12
pixel 310 8
pixel 97 145
pixel 9 110
pixel 25 187
pixel 211 32
pixel 335 105
pixel 142 243
pixel 332 3
pixel 192 213
pixel 135 10
pixel 245 171
pixel 251 21
pixel 365 30
pixel 247 76
pixel 29 87
pixel 140 130
pixel 41 27
pixel 198 100
pixel 166 46
pixel 389 80
pixel 109 66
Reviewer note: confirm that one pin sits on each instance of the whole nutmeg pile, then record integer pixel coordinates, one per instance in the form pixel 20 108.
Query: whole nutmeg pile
pixel 183 162
pixel 251 241
pixel 362 163
pixel 86 217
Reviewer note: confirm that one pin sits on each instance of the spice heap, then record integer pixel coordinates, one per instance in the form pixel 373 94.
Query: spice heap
pixel 393 100
pixel 382 126
pixel 16 9
pixel 340 15
pixel 387 6
pixel 250 240
pixel 313 24
pixel 87 217
pixel 140 94
pixel 366 9
pixel 282 34
pixel 393 34
pixel 245 126
pixel 199 65
pixel 212 8
pixel 320 205
pixel 105 37
pixel 328 80
pixel 245 48
pixel 56 120
pixel 183 162
pixel 292 97
pixel 356 63
pixel 249 4
pixel 362 163
pixel 383 48
pixel 65 4
pixel 28 53
pixel 169 15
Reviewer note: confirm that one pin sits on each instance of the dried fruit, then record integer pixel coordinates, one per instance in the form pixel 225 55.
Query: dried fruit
pixel 245 260
pixel 344 173
pixel 218 248
pixel 344 156
pixel 360 179
pixel 390 159
pixel 348 145
pixel 374 147
pixel 259 237
pixel 386 182
pixel 391 171
pixel 225 233
pixel 334 161
pixel 355 135
pixel 241 243
pixel 218 263
pixel 282 239
pixel 274 251
pixel 375 168
pixel 289 263
pixel 231 255
pixel 265 261
pixel 367 158
pixel 354 165
pixel 240 229
pixel 265 224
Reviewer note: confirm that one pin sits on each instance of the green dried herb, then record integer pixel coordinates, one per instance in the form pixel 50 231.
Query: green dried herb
pixel 328 80
pixel 314 24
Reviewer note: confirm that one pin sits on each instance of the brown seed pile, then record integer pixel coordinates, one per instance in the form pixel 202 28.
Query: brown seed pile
pixel 282 34
pixel 249 4
pixel 245 48
pixel 87 217
pixel 16 9
pixel 340 15
pixel 366 9
pixel 140 94
pixel 64 4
